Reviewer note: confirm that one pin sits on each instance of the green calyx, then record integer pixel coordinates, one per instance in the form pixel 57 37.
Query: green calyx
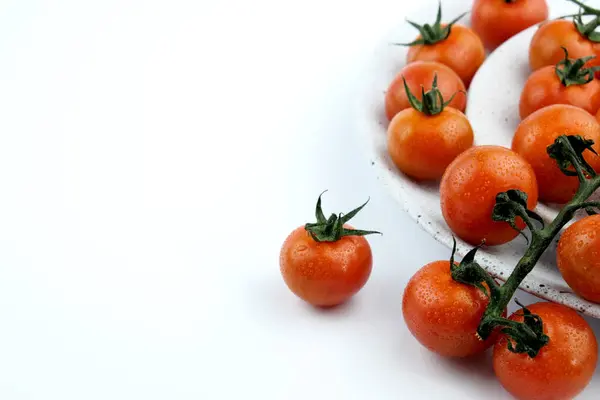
pixel 432 34
pixel 332 229
pixel 432 101
pixel 572 71
pixel 587 30
pixel 527 336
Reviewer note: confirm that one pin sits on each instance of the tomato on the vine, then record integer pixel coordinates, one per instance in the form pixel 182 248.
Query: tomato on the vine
pixel 495 21
pixel 538 131
pixel 327 262
pixel 469 187
pixel 569 82
pixel 442 314
pixel 561 369
pixel 420 74
pixel 578 257
pixel 454 45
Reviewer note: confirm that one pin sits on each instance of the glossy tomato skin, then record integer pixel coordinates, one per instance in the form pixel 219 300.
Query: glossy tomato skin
pixel 538 131
pixel 325 274
pixel 545 48
pixel 543 88
pixel 421 74
pixel 495 21
pixel 562 368
pixel 422 146
pixel 462 51
pixel 578 257
pixel 469 187
pixel 443 315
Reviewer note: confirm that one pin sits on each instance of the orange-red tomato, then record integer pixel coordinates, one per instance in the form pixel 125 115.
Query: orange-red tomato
pixel 442 314
pixel 543 88
pixel 578 257
pixel 538 131
pixel 546 45
pixel 462 51
pixel 469 187
pixel 495 21
pixel 421 74
pixel 562 368
pixel 422 146
pixel 325 273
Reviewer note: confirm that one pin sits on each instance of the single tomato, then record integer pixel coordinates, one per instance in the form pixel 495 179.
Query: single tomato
pixel 569 82
pixel 469 187
pixel 419 75
pixel 538 131
pixel 561 369
pixel 578 257
pixel 423 140
pixel 495 21
pixel 327 262
pixel 454 45
pixel 547 43
pixel 442 314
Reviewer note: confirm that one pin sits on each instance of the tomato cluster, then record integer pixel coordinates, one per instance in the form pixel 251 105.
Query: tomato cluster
pixel 546 350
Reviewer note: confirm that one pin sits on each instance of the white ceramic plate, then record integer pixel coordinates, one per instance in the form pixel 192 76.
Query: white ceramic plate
pixel 492 109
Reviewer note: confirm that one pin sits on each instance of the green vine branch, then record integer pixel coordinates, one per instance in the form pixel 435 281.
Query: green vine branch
pixel 511 207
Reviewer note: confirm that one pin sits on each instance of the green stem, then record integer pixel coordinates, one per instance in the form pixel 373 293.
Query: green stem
pixel 541 240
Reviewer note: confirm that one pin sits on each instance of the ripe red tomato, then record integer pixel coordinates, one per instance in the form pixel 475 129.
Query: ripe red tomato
pixel 578 257
pixel 422 146
pixel 562 368
pixel 544 88
pixel 326 262
pixel 547 43
pixel 420 74
pixel 469 187
pixel 538 131
pixel 442 314
pixel 325 273
pixel 462 51
pixel 495 21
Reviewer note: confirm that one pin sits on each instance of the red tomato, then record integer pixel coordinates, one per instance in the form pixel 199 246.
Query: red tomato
pixel 325 273
pixel 469 187
pixel 544 88
pixel 538 131
pixel 495 21
pixel 562 368
pixel 443 315
pixel 547 43
pixel 422 146
pixel 420 74
pixel 462 51
pixel 578 257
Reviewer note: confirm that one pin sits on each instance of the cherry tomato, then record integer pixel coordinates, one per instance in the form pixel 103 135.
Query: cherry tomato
pixel 422 146
pixel 546 45
pixel 462 51
pixel 544 88
pixel 495 21
pixel 538 131
pixel 578 257
pixel 562 368
pixel 327 262
pixel 442 314
pixel 469 187
pixel 420 74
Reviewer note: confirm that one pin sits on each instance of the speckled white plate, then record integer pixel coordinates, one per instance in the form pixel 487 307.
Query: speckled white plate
pixel 492 109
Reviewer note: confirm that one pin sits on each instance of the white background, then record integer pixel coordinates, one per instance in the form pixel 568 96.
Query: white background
pixel 153 157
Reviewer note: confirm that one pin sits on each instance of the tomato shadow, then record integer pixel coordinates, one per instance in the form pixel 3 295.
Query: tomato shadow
pixel 479 366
